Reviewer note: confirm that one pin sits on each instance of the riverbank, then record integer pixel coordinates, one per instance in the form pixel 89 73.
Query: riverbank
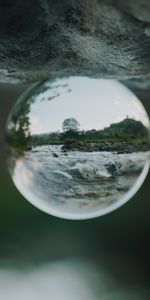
pixel 119 147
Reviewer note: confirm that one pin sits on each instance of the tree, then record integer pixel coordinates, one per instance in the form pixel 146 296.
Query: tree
pixel 70 124
pixel 19 133
pixel 129 127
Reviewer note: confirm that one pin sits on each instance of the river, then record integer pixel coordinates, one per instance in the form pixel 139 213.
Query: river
pixel 76 181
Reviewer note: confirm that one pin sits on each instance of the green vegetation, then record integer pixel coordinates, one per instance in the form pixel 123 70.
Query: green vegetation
pixel 18 134
pixel 126 136
pixel 70 124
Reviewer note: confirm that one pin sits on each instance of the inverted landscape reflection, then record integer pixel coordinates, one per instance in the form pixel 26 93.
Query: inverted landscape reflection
pixel 78 147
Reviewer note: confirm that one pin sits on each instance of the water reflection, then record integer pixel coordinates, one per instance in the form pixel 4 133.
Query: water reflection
pixel 78 147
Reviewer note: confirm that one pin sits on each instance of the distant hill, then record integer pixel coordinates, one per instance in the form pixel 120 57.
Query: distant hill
pixel 128 127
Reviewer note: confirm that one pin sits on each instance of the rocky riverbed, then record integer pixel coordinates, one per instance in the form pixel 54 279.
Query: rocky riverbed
pixel 78 184
pixel 119 147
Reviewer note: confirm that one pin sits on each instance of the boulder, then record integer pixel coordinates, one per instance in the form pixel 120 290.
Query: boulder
pixel 41 39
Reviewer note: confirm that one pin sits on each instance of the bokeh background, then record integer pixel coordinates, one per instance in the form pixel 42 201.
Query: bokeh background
pixel 43 257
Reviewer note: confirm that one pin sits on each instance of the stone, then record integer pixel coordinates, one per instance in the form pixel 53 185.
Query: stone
pixel 41 39
pixel 55 154
pixel 111 167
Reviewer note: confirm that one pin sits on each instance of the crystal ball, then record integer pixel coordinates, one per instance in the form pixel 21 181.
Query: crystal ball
pixel 78 147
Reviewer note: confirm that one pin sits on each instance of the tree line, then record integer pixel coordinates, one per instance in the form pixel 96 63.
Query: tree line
pixel 125 130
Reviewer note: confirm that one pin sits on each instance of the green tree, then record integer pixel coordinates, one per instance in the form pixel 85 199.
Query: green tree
pixel 19 132
pixel 70 124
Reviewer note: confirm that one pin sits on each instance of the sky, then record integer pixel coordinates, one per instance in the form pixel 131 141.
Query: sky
pixel 94 103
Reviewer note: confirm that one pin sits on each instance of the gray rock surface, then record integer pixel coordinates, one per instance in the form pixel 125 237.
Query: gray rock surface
pixel 40 39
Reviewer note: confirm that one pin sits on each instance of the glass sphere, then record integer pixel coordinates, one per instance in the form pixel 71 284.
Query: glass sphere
pixel 78 148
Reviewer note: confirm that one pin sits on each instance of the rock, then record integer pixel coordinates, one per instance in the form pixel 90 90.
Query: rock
pixel 55 155
pixel 28 148
pixel 40 39
pixel 65 153
pixel 63 149
pixel 119 147
pixel 111 168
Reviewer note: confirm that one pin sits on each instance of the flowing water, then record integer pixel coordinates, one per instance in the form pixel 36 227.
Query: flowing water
pixel 77 181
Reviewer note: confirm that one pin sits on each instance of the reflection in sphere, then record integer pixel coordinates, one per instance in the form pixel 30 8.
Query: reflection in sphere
pixel 78 147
